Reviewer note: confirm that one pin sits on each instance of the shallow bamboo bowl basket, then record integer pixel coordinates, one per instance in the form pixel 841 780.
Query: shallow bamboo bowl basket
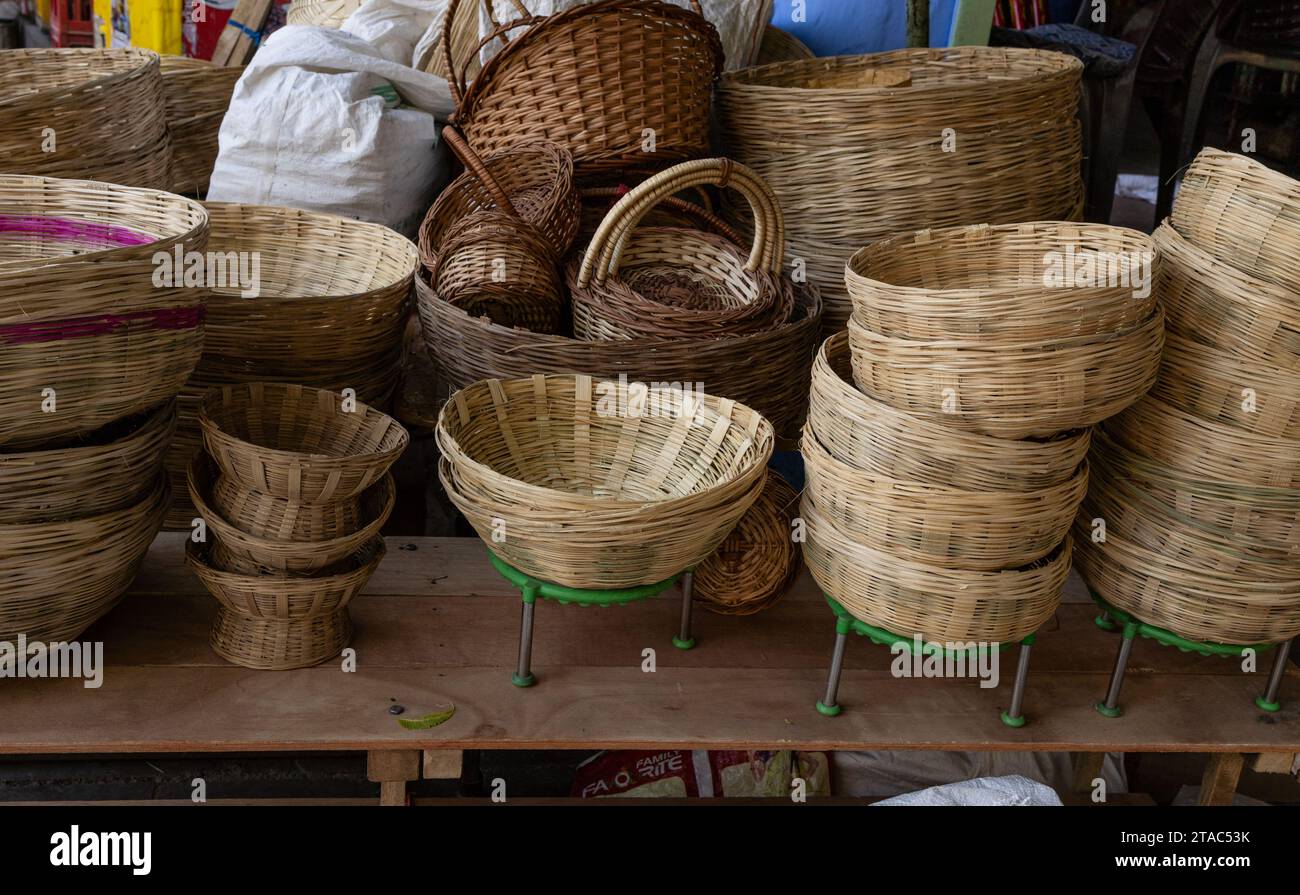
pixel 79 310
pixel 273 645
pixel 297 443
pixel 1191 602
pixel 755 565
pixel 1242 213
pixel 1009 389
pixel 103 108
pixel 937 602
pixel 585 486
pixel 112 468
pixel 263 516
pixel 874 437
pixel 954 527
pixel 980 282
pixel 58 578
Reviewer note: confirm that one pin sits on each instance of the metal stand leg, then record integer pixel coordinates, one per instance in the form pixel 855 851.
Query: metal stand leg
pixel 827 706
pixel 685 640
pixel 523 676
pixel 1268 702
pixel 1014 717
pixel 1104 621
pixel 1110 708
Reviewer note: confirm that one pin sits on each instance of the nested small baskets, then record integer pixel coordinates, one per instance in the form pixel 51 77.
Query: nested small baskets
pixel 197 94
pixel 755 565
pixel 92 327
pixel 671 282
pixel 600 484
pixel 604 80
pixel 96 114
pixel 858 148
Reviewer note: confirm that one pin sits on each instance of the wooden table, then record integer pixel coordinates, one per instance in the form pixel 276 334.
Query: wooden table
pixel 438 626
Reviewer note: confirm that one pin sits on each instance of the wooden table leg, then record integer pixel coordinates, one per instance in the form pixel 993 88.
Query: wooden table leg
pixel 443 764
pixel 391 769
pixel 1219 784
pixel 1087 768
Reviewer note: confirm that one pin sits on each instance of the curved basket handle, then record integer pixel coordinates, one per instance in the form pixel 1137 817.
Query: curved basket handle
pixel 704 215
pixel 469 158
pixel 605 252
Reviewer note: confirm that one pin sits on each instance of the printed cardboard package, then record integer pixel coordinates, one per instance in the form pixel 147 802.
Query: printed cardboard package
pixel 675 773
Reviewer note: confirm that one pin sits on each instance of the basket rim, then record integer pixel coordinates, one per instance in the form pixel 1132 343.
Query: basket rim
pixel 198 557
pixel 45 96
pixel 157 495
pixel 146 421
pixel 1226 281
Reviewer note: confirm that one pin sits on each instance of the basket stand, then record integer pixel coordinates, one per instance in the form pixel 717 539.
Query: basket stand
pixel 1112 619
pixel 846 624
pixel 531 588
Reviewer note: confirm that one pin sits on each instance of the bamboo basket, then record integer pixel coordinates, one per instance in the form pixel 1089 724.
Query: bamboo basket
pixel 767 371
pixel 262 516
pixel 93 114
pixel 1204 449
pixel 1220 306
pixel 1162 591
pixel 979 282
pixel 102 472
pixel 1230 389
pixel 672 283
pixel 321 13
pixel 781 46
pixel 876 438
pixel 197 94
pixel 79 309
pixel 859 148
pixel 298 444
pixel 58 578
pixel 594 79
pixel 929 524
pixel 936 602
pixel 1242 213
pixel 273 645
pixel 673 211
pixel 593 488
pixel 753 568
pixel 235 550
pixel 1009 389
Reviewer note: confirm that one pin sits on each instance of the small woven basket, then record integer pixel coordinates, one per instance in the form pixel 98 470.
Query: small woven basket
pixel 299 444
pixel 263 516
pixel 273 645
pixel 753 568
pixel 876 438
pixel 598 484
pixel 197 94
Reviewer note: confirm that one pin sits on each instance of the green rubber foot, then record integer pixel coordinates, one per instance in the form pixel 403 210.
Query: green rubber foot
pixel 683 644
pixel 523 681
pixel 1104 623
pixel 1018 721
pixel 830 711
pixel 1266 705
pixel 1108 711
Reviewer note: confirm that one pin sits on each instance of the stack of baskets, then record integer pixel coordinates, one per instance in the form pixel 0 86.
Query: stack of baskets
pixel 941 490
pixel 1198 485
pixel 83 113
pixel 862 147
pixel 293 490
pixel 327 309
pixel 94 347
pixel 197 94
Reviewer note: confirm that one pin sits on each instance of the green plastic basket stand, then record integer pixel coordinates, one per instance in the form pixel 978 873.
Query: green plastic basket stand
pixel 846 624
pixel 1130 628
pixel 531 588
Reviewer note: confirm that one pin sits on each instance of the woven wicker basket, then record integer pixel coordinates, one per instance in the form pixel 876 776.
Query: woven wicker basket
pixel 197 94
pixel 753 568
pixel 105 471
pixel 980 282
pixel 858 148
pixel 937 602
pixel 1011 389
pixel 57 578
pixel 952 527
pixel 595 79
pixel 1162 591
pixel 262 516
pixel 1243 214
pixel 83 113
pixel 79 309
pixel 876 438
pixel 1216 304
pixel 781 46
pixel 272 645
pixel 587 484
pixel 672 283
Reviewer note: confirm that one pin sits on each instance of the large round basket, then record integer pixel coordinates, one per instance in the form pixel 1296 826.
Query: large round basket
pixel 197 94
pixel 593 484
pixel 860 431
pixel 859 148
pixel 57 578
pixel 92 114
pixel 599 79
pixel 92 328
